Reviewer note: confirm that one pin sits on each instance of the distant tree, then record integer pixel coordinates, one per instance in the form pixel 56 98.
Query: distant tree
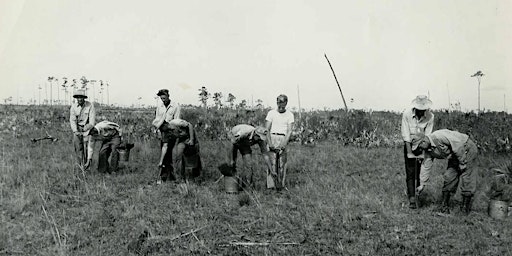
pixel 231 100
pixel 242 105
pixel 259 104
pixel 203 96
pixel 217 98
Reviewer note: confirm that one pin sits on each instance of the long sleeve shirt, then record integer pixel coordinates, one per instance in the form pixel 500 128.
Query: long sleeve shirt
pixel 81 115
pixel 106 130
pixel 412 125
pixel 444 144
pixel 163 113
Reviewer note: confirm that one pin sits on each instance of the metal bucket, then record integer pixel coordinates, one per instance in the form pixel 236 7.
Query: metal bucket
pixel 231 184
pixel 124 154
pixel 498 209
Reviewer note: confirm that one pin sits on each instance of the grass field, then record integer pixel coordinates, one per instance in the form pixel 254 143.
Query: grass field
pixel 341 201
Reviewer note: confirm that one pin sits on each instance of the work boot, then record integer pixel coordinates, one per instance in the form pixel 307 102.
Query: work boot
pixel 445 208
pixel 466 204
pixel 412 202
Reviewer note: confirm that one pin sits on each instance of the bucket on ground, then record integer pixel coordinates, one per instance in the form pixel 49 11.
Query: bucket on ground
pixel 231 184
pixel 498 209
pixel 124 154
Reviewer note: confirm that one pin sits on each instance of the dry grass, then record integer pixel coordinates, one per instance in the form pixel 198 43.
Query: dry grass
pixel 340 200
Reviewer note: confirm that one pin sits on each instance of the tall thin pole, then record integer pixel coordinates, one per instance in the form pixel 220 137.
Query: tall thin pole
pixel 298 100
pixel 478 94
pixel 449 102
pixel 339 87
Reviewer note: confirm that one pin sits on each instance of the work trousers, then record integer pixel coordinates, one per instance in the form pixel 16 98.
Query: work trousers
pixel 167 171
pixel 186 159
pixel 467 177
pixel 109 150
pixel 283 157
pixel 412 173
pixel 80 144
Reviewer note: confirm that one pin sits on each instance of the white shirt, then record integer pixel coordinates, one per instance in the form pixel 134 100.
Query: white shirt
pixel 280 121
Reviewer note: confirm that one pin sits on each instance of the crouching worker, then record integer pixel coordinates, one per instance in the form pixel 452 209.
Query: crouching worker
pixel 461 153
pixel 109 135
pixel 242 137
pixel 185 153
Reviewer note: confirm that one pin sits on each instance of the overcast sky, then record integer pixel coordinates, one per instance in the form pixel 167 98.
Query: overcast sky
pixel 383 52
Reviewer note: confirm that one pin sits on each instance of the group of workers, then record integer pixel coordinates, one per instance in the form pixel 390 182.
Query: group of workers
pixel 180 147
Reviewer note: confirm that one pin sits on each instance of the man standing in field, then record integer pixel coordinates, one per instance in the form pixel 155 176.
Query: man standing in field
pixel 280 123
pixel 415 121
pixel 81 113
pixel 242 137
pixel 109 135
pixel 461 153
pixel 166 112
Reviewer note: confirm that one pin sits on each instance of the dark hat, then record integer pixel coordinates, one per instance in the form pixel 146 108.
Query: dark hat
pixel 282 97
pixel 163 92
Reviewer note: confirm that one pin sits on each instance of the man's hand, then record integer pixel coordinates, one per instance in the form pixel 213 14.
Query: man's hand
pixel 419 189
pixel 87 164
pixel 411 155
pixel 189 142
pixel 77 133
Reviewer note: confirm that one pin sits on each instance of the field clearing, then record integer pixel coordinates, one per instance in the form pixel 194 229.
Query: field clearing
pixel 341 200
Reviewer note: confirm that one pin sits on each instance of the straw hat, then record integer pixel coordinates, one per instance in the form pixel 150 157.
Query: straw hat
pixel 80 93
pixel 421 102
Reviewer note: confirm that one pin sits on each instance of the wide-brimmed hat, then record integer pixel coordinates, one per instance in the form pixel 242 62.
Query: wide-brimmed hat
pixel 416 140
pixel 261 132
pixel 421 102
pixel 87 129
pixel 80 93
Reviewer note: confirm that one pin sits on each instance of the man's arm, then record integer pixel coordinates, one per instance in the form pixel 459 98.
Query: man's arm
pixel 268 125
pixel 430 125
pixel 289 129
pixel 406 135
pixel 92 114
pixel 72 120
pixel 177 112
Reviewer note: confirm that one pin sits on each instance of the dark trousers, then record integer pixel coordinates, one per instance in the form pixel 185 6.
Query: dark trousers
pixel 412 172
pixel 167 172
pixel 80 148
pixel 109 150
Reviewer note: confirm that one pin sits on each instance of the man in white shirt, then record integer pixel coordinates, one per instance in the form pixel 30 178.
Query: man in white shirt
pixel 416 120
pixel 166 112
pixel 280 123
pixel 81 113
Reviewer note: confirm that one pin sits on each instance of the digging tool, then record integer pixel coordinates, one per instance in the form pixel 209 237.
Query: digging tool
pixel 48 137
pixel 416 174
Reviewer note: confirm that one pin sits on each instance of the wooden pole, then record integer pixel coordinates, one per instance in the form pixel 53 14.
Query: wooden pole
pixel 298 100
pixel 339 87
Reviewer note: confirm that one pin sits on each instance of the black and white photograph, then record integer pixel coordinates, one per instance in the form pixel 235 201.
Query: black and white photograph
pixel 271 127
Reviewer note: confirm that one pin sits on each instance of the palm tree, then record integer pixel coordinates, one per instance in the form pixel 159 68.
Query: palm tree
pixel 231 100
pixel 478 76
pixel 50 79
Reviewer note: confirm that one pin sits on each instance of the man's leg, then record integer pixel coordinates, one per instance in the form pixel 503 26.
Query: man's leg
pixel 78 143
pixel 103 157
pixel 450 183
pixel 410 176
pixel 468 177
pixel 166 171
pixel 114 158
pixel 283 167
pixel 177 155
